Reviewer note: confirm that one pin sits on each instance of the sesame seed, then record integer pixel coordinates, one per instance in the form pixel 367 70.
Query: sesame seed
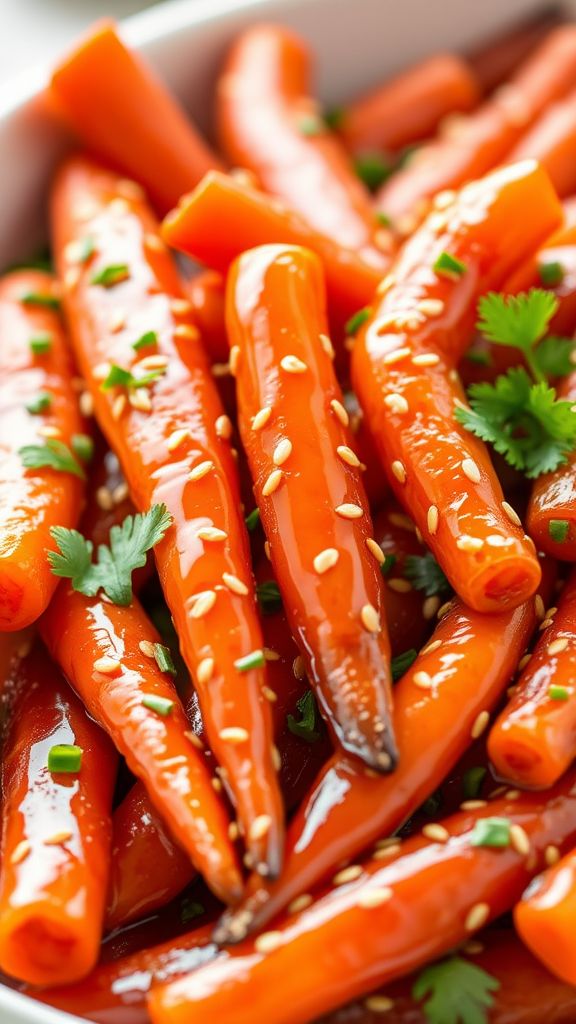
pixel 433 646
pixel 107 666
pixel 426 359
pixel 374 897
pixel 120 493
pixel 557 646
pixel 118 406
pixel 399 471
pixel 378 1004
pixel 300 903
pixel 384 240
pixel 432 519
pixel 444 199
pixel 140 399
pixel 349 511
pixel 234 357
pixel 539 606
pixel 444 609
pixel 325 560
pixel 511 513
pixel 86 404
pixel 524 661
pixel 154 242
pixel 473 805
pixel 551 855
pixel 276 758
pixel 58 837
pixel 519 840
pixel 349 874
pixel 233 831
pixel 20 852
pixel 49 431
pixel 512 794
pixel 479 725
pixel 234 734
pixel 436 832
pixel 153 362
pixel 147 648
pixel 180 307
pixel 472 544
pixel 400 586
pixel 117 321
pixel 430 606
pixel 327 345
pixel 402 521
pixel 188 332
pixel 211 533
pixel 194 740
pixel 298 667
pixel 282 451
pixel 291 364
pixel 220 369
pixel 223 427
pixel 477 916
pixel 396 403
pixel 270 655
pixel 234 584
pixel 176 439
pixel 396 356
pixel 370 618
pixel 216 785
pixel 470 469
pixel 340 412
pixel 268 942
pixel 272 483
pixel 375 549
pixel 199 471
pixel 423 680
pixel 259 827
pixel 205 670
pixel 347 455
pixel 104 499
pixel 267 550
pixel 431 307
pixel 387 851
pixel 269 694
pixel 203 603
pixel 261 418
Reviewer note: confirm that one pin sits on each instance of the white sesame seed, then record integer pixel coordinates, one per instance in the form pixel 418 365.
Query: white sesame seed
pixel 432 519
pixel 216 785
pixel 234 734
pixel 539 606
pixel 327 345
pixel 269 694
pixel 479 725
pixel 444 199
pixel 472 544
pixel 147 648
pixel 106 665
pixel 267 550
pixel 557 646
pixel 374 897
pixel 426 359
pixel 471 470
pixel 20 852
pixel 340 412
pixel 205 670
pixel 86 403
pixel 473 805
pixel 177 437
pixel 199 471
pixel 211 533
pixel 101 371
pixel 291 364
pixel 259 827
pixel 519 840
pixel 223 427
pixel 276 758
pixel 140 400
pixel 511 513
pixel 272 483
pixel 188 332
pixel 120 493
pixel 400 586
pixel 180 307
pixel 430 606
pixel 58 837
pixel 325 560
pixel 270 655
pixel 370 618
pixel 423 680
pixel 203 603
pixel 431 307
pixel 375 549
pixel 444 609
pixel 349 874
pixel 399 471
pixel 349 511
pixel 396 356
pixel 347 455
pixel 298 667
pixel 233 831
pixel 396 403
pixel 524 661
pixel 551 855
pixel 282 452
pixel 49 431
pixel 118 406
pixel 436 832
pixel 378 1004
pixel 154 242
pixel 234 357
pixel 153 363
pixel 268 942
pixel 104 499
pixel 300 903
pixel 234 584
pixel 261 418
pixel 477 917
pixel 432 646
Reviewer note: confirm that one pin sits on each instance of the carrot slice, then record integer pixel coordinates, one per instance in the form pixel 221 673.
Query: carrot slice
pixel 544 918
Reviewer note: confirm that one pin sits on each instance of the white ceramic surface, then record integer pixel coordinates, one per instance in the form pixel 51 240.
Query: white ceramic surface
pixel 358 42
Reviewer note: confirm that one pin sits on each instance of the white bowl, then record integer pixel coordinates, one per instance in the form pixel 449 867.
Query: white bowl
pixel 358 43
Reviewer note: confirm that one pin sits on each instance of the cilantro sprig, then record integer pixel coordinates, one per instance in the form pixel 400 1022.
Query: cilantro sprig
pixel 455 992
pixel 52 455
pixel 425 574
pixel 305 727
pixel 112 572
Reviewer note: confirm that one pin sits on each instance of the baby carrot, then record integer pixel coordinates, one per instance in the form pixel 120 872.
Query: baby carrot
pixel 557 254
pixel 497 58
pixel 156 401
pixel 408 611
pixel 58 775
pixel 544 918
pixel 307 486
pixel 207 295
pixel 122 112
pixel 38 413
pixel 551 517
pixel 551 141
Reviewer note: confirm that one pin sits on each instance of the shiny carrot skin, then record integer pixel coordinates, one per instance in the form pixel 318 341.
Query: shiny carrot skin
pixel 124 114
pixel 559 248
pixel 403 373
pixel 544 918
pixel 56 832
pixel 469 661
pixel 409 107
pixel 408 613
pixel 223 217
pixel 193 473
pixel 307 486
pixel 480 141
pixel 553 498
pixel 378 921
pixel 268 123
pixel 207 293
pixel 552 141
pixel 32 500
pixel 533 740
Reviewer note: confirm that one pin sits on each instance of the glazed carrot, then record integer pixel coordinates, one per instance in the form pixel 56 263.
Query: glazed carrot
pixel 402 372
pixel 559 249
pixel 38 406
pixel 534 739
pixel 544 918
pixel 408 612
pixel 409 107
pixel 172 441
pixel 443 700
pixel 268 123
pixel 478 142
pixel 551 517
pixel 307 486
pixel 495 60
pixel 223 217
pixel 379 920
pixel 123 113
pixel 207 295
pixel 551 141
pixel 56 831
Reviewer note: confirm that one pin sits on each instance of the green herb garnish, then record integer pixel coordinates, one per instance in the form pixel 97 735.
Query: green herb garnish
pixel 118 377
pixel 145 341
pixel 41 403
pixel 473 780
pixel 40 344
pixel 402 662
pixel 43 299
pixel 160 705
pixel 426 575
pixel 551 274
pixel 52 455
pixel 253 660
pixel 561 693
pixel 449 266
pixel 111 275
pixel 491 832
pixel 455 992
pixel 269 596
pixel 65 758
pixel 558 530
pixel 305 727
pixel 355 322
pixel 373 169
pixel 252 519
pixel 163 659
pixel 82 446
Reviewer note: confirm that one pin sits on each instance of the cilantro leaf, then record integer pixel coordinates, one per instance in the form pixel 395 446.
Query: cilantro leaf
pixel 455 992
pixel 402 662
pixel 305 727
pixel 54 455
pixel 553 356
pixel 524 422
pixel 269 597
pixel 425 574
pixel 112 573
pixel 519 321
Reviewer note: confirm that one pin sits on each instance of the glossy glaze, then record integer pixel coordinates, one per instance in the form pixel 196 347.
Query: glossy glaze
pixel 484 227
pixel 559 248
pixel 207 294
pixel 554 497
pixel 545 918
pixel 88 201
pixel 409 615
pixel 32 500
pixel 551 141
pixel 52 888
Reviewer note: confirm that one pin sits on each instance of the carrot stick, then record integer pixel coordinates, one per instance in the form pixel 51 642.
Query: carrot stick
pixel 409 107
pixel 172 441
pixel 207 295
pixel 552 141
pixel 551 517
pixel 307 485
pixel 544 918
pixel 223 217
pixel 115 103
pixel 38 407
pixel 56 832
pixel 268 123
pixel 559 249
pixel 379 920
pixel 403 373
pixel 480 141
pixel 496 59
pixel 442 701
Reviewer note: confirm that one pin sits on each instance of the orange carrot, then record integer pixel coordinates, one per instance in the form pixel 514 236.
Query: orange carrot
pixel 552 141
pixel 544 918
pixel 551 516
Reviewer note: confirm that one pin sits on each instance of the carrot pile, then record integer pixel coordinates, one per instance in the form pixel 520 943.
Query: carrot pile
pixel 287 595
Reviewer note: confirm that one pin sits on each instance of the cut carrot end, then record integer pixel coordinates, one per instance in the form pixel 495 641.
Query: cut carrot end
pixel 505 584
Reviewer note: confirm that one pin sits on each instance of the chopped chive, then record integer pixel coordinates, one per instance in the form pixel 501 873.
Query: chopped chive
pixel 449 266
pixel 311 125
pixel 253 660
pixel 190 910
pixel 65 758
pixel 372 169
pixel 41 403
pixel 335 118
pixel 384 220
pixel 402 662
pixel 83 447
pixel 355 322
pixel 473 780
pixel 479 357
pixel 43 299
pixel 164 659
pixel 556 692
pixel 116 378
pixel 269 597
pixel 111 275
pixel 40 344
pixel 551 274
pixel 491 832
pixel 558 530
pixel 388 564
pixel 305 728
pixel 161 705
pixel 432 805
pixel 252 519
pixel 145 340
